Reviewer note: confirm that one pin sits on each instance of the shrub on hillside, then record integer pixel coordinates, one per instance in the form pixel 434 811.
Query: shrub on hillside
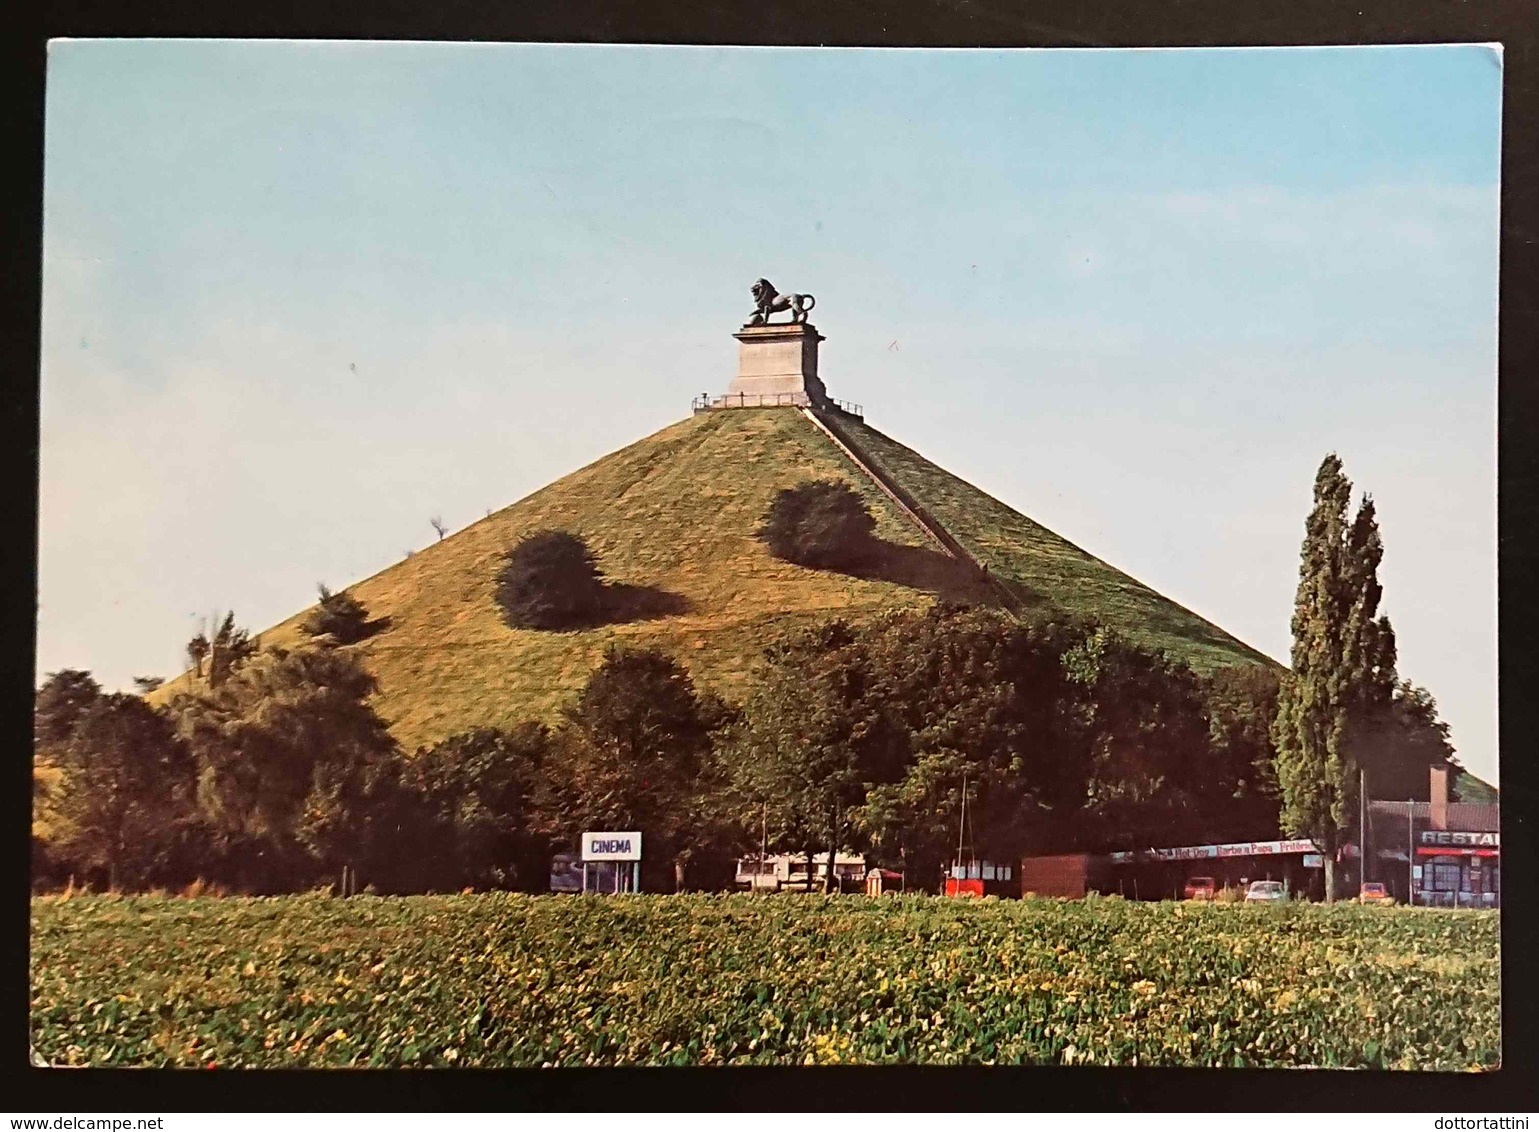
pixel 340 616
pixel 550 580
pixel 818 523
pixel 228 649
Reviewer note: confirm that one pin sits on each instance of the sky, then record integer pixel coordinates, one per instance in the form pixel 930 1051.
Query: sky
pixel 300 298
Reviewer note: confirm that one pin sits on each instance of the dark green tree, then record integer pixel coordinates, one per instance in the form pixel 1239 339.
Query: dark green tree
pixel 636 753
pixel 977 696
pixel 226 650
pixel 64 697
pixel 197 652
pixel 1066 736
pixel 340 616
pixel 296 771
pixel 820 523
pixel 1242 794
pixel 816 734
pixel 58 706
pixel 1343 668
pixel 550 580
pixel 469 804
pixel 1397 746
pixel 126 792
pixel 1142 739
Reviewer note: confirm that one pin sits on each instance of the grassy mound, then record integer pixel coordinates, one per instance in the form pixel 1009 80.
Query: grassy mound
pixel 672 521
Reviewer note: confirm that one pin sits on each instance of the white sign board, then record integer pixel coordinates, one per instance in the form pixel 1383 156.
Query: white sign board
pixel 1455 837
pixel 608 846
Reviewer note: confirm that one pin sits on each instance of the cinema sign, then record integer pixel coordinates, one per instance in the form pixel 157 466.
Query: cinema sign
pixel 608 846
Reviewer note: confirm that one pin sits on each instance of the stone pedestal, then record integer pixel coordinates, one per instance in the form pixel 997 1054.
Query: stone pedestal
pixel 777 363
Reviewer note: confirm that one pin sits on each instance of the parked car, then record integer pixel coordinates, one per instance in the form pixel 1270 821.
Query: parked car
pixel 1199 888
pixel 1266 892
pixel 1374 893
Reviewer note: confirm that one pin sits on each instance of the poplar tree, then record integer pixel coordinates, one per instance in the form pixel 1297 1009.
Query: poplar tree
pixel 1343 668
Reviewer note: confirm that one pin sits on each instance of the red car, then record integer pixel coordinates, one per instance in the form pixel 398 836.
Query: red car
pixel 1199 888
pixel 1373 893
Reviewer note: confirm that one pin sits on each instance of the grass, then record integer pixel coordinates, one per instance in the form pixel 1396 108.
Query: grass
pixel 674 516
pixel 498 980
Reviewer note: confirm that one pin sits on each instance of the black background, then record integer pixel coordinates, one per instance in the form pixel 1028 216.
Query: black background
pixel 953 23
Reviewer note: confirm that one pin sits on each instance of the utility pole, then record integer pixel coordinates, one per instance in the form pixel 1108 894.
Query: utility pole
pixel 1362 829
pixel 763 842
pixel 1410 856
pixel 962 825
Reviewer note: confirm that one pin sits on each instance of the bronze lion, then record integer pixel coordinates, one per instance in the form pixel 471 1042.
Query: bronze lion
pixel 767 301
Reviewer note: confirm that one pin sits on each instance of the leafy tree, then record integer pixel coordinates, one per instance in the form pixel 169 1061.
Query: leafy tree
pixel 550 580
pixel 1343 670
pixel 229 648
pixel 636 753
pixel 340 616
pixel 147 684
pixel 469 801
pixel 1397 746
pixel 1065 735
pixel 197 652
pixel 226 650
pixel 821 523
pixel 296 771
pixel 62 700
pixel 1468 788
pixel 977 695
pixel 126 790
pixel 816 732
pixel 1243 792
pixel 1145 744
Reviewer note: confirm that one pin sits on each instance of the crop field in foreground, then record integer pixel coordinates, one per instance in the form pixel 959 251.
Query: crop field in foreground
pixel 507 980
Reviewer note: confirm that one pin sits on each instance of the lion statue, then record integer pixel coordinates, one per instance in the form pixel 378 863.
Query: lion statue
pixel 767 301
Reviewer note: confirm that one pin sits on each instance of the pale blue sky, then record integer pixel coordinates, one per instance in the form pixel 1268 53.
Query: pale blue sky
pixel 300 297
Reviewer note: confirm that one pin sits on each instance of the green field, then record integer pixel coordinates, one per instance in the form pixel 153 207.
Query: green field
pixel 507 980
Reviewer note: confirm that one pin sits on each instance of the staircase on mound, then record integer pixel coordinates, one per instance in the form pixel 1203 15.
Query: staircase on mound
pixel 826 419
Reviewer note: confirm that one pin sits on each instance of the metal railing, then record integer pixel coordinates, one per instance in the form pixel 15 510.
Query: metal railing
pixel 705 402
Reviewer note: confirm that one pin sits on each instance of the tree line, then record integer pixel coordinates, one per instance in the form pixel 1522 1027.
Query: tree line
pixel 270 771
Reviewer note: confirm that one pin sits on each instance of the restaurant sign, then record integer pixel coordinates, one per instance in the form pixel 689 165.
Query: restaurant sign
pixel 1460 837
pixel 1230 849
